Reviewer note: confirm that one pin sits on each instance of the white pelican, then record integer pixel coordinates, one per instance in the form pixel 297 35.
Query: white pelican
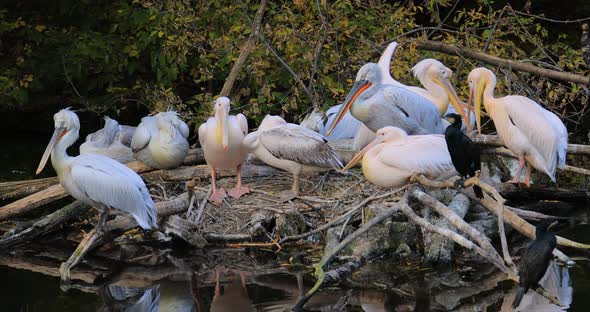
pixel 94 179
pixel 394 156
pixel 534 134
pixel 290 147
pixel 378 105
pixel 221 138
pixel 160 141
pixel 113 141
pixel 385 64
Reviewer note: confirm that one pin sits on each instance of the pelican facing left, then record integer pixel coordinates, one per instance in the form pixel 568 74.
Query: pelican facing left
pixel 95 179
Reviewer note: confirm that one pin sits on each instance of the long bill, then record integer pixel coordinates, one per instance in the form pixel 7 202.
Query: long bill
pixel 222 125
pixel 456 102
pixel 358 88
pixel 360 154
pixel 476 98
pixel 58 133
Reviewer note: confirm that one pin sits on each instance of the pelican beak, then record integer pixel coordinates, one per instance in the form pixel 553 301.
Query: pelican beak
pixel 455 101
pixel 360 154
pixel 475 97
pixel 57 135
pixel 357 89
pixel 222 127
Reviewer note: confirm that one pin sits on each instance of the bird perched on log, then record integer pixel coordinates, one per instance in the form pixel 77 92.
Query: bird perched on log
pixel 464 154
pixel 290 147
pixel 160 141
pixel 95 179
pixel 585 43
pixel 221 138
pixel 536 259
pixel 113 141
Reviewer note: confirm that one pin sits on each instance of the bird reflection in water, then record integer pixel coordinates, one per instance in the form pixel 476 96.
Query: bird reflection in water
pixel 130 299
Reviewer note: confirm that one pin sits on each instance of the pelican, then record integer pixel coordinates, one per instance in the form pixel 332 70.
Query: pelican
pixel 290 147
pixel 113 141
pixel 95 179
pixel 394 156
pixel 221 138
pixel 378 105
pixel 319 122
pixel 385 64
pixel 534 134
pixel 160 141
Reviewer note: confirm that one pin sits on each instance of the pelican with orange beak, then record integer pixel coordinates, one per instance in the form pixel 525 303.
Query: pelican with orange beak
pixel 379 105
pixel 537 136
pixel 394 156
pixel 221 138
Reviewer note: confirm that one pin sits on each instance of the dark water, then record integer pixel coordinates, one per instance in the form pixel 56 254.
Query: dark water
pixel 184 280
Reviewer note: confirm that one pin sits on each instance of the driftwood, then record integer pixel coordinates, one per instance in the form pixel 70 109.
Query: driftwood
pixel 494 140
pixel 56 192
pixel 45 225
pixel 497 61
pixel 18 189
pixel 534 193
pixel 119 225
pixel 439 249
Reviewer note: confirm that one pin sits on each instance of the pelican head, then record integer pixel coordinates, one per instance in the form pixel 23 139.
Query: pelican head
pixel 221 107
pixel 383 135
pixel 66 123
pixel 365 86
pixel 271 121
pixel 479 80
pixel 435 71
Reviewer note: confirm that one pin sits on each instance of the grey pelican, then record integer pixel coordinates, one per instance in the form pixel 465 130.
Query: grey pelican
pixel 378 105
pixel 160 141
pixel 94 179
pixel 221 138
pixel 113 141
pixel 290 147
pixel 394 156
pixel 536 135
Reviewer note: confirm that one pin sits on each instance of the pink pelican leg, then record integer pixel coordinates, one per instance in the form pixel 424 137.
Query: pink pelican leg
pixel 239 190
pixel 527 179
pixel 516 178
pixel 217 195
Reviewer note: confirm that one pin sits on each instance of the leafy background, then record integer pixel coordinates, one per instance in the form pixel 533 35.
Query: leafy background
pixel 129 58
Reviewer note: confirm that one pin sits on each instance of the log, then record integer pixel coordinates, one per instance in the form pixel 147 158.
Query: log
pixel 536 193
pixel 185 230
pixel 497 61
pixel 47 224
pixel 494 140
pixel 439 249
pixel 202 171
pixel 18 189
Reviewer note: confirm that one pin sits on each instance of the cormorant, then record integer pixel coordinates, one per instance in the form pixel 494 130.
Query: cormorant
pixel 536 259
pixel 464 154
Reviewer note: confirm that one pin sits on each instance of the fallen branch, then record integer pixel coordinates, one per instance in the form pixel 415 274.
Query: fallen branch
pixel 497 61
pixel 17 189
pixel 494 140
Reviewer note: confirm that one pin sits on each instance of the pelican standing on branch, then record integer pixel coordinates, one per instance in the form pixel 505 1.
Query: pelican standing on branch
pixel 537 136
pixel 378 105
pixel 290 147
pixel 160 141
pixel 221 138
pixel 97 180
pixel 394 156
pixel 113 141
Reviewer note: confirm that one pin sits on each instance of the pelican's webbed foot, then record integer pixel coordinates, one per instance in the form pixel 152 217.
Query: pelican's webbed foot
pixel 217 196
pixel 238 192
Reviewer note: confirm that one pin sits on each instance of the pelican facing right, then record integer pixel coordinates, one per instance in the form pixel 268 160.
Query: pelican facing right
pixel 537 136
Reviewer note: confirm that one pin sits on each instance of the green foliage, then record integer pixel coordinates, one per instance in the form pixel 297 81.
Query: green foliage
pixel 105 55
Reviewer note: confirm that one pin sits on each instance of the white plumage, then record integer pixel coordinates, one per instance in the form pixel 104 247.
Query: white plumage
pixel 113 141
pixel 95 179
pixel 160 141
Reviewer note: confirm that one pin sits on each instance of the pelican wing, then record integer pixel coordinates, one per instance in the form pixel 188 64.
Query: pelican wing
pixel 418 110
pixel 299 144
pixel 126 135
pixel 532 122
pixel 114 185
pixel 562 135
pixel 346 129
pixel 143 134
pixel 105 136
pixel 243 122
pixel 427 154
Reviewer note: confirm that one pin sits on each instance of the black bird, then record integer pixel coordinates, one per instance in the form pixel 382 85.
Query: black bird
pixel 535 260
pixel 464 154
